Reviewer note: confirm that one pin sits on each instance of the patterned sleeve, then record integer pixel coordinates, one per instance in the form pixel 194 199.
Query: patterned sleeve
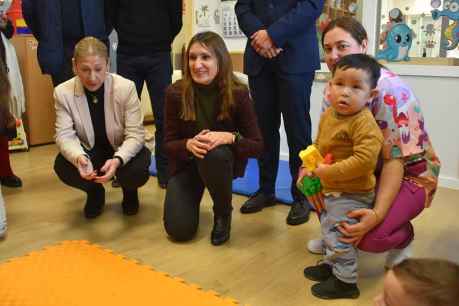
pixel 397 112
pixel 326 99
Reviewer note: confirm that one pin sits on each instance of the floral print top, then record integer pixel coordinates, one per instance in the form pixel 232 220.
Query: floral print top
pixel 398 113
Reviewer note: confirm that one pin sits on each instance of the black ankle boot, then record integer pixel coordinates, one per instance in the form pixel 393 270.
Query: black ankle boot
pixel 334 288
pixel 221 230
pixel 95 202
pixel 130 202
pixel 11 181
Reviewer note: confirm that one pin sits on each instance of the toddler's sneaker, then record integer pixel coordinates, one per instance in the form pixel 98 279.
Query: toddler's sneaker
pixel 316 246
pixel 333 288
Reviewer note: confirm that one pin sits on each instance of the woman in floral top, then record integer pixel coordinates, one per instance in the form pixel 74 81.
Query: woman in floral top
pixel 408 176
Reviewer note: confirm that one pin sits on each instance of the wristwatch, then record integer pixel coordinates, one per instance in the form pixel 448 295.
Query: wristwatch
pixel 237 137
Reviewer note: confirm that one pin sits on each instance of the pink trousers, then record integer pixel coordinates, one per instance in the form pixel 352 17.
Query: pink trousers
pixel 396 231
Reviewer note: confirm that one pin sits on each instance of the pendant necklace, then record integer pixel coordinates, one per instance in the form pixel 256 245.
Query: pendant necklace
pixel 94 99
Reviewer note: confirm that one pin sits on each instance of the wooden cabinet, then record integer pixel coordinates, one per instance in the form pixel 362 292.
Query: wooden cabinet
pixel 38 89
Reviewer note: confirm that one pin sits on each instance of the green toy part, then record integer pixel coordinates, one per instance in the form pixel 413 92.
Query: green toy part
pixel 310 186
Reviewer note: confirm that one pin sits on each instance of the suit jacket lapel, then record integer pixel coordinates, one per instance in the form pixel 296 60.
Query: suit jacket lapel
pixel 83 110
pixel 109 108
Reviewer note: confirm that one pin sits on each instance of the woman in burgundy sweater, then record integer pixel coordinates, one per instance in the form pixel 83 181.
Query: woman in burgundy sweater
pixel 210 131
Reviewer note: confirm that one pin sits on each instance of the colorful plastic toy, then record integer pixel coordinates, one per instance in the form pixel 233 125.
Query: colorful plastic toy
pixel 311 158
pixel 399 41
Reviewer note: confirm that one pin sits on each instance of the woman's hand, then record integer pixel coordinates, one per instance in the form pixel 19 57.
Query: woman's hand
pixel 354 233
pixel 109 170
pixel 215 139
pixel 198 145
pixel 316 200
pixel 85 168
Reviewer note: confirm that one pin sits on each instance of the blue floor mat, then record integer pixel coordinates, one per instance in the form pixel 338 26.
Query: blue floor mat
pixel 248 184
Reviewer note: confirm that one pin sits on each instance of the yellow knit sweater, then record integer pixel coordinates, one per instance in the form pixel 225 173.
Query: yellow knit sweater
pixel 355 142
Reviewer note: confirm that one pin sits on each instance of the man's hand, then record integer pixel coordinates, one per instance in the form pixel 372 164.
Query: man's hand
pixel 261 40
pixel 264 45
pixel 270 53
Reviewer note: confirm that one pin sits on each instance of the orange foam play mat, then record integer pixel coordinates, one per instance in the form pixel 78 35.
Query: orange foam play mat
pixel 78 273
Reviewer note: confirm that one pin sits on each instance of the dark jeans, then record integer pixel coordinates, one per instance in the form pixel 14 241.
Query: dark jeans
pixel 185 190
pixel 156 70
pixel 276 93
pixel 130 176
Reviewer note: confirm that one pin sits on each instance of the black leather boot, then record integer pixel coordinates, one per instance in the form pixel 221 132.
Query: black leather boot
pixel 221 230
pixel 95 202
pixel 11 181
pixel 130 202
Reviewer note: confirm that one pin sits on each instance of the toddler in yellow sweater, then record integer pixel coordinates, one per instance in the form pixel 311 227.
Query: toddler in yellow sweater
pixel 350 133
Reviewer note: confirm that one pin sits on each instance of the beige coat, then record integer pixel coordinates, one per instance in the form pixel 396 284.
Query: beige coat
pixel 123 118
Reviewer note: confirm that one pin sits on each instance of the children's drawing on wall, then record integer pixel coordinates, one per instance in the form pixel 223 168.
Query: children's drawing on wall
pixel 450 11
pixel 203 16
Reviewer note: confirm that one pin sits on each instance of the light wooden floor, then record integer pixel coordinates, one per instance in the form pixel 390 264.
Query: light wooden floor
pixel 261 265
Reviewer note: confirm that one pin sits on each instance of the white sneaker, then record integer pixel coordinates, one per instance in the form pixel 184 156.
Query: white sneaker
pixel 396 256
pixel 316 246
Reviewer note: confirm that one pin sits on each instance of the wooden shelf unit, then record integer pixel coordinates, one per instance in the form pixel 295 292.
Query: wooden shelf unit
pixel 38 89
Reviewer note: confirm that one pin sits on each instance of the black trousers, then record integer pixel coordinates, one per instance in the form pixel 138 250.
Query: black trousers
pixel 185 190
pixel 66 72
pixel 277 93
pixel 130 176
pixel 156 71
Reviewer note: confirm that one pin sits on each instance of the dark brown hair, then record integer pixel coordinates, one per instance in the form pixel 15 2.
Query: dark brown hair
pixel 350 25
pixel 435 282
pixel 225 79
pixel 363 62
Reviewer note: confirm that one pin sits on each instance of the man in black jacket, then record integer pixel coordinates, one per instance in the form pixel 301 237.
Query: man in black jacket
pixel 146 30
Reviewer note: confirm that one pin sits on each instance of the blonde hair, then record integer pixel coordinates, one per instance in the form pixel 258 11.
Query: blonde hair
pixel 225 79
pixel 435 282
pixel 90 46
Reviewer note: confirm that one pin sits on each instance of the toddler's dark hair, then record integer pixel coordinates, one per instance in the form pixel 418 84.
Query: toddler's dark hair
pixel 361 62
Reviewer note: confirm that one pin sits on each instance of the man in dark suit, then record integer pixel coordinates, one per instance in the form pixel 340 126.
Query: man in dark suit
pixel 280 59
pixel 58 25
